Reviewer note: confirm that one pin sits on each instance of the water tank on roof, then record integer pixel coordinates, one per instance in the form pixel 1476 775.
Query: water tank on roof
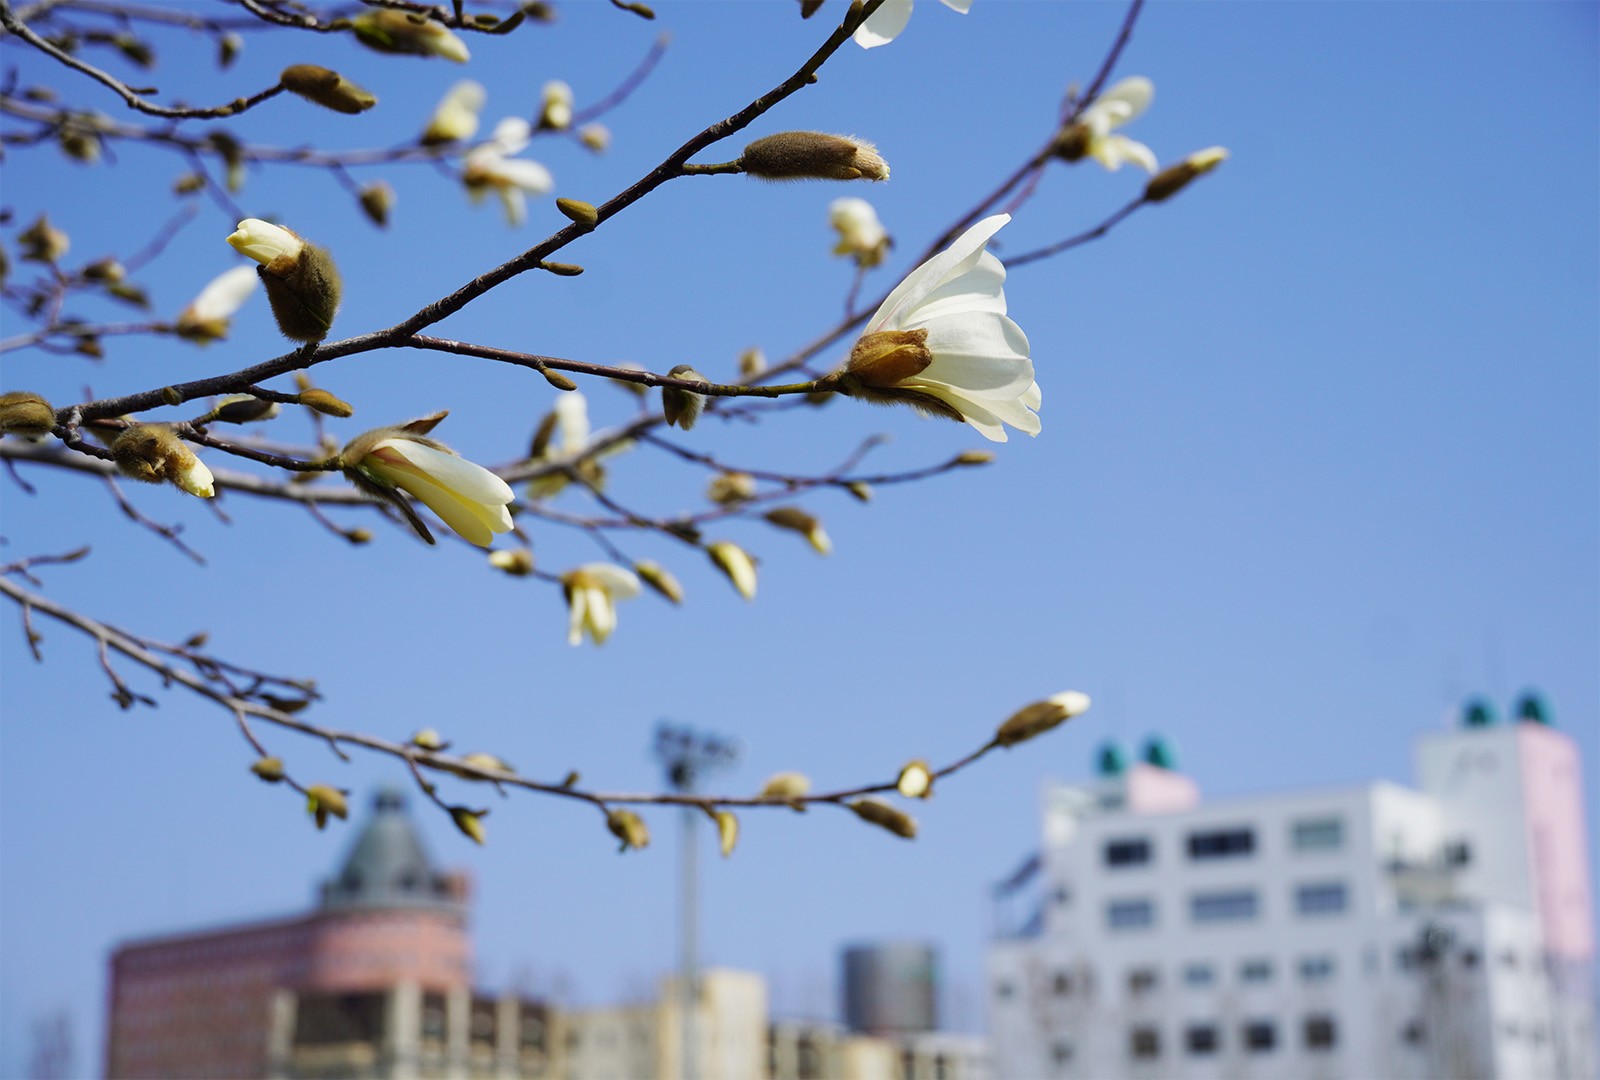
pixel 1531 708
pixel 891 989
pixel 1158 751
pixel 1112 760
pixel 1477 713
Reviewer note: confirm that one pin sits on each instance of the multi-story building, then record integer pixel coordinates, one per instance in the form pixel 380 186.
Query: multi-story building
pixel 1365 931
pixel 376 981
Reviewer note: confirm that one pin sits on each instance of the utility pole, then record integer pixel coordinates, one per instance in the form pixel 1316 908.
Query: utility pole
pixel 687 755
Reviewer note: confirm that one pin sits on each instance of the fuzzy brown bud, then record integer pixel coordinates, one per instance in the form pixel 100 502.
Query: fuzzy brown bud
pixel 973 457
pixel 107 271
pixel 682 407
pixel 26 415
pixel 729 488
pixel 242 409
pixel 558 380
pixel 1174 178
pixel 518 562
pixel 153 454
pixel 377 199
pixel 786 787
pixel 1038 718
pixel 321 401
pixel 885 816
pixel 327 88
pixel 813 155
pixel 727 831
pixel 428 739
pixel 562 269
pixel 796 520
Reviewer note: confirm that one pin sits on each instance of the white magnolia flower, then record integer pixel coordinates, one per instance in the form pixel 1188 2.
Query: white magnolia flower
pixel 941 342
pixel 861 234
pixel 456 117
pixel 467 497
pixel 264 241
pixel 885 24
pixel 592 592
pixel 490 167
pixel 1124 101
pixel 207 315
pixel 556 113
pixel 572 422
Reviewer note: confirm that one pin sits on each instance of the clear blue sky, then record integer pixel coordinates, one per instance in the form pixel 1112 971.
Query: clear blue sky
pixel 1319 461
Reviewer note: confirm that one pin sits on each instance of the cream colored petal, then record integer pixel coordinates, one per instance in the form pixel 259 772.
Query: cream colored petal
pixel 961 256
pixel 601 617
pixel 978 289
pixel 463 518
pixel 884 25
pixel 962 6
pixel 1113 150
pixel 614 580
pixel 223 295
pixel 1124 100
pixel 572 421
pixel 471 481
pixel 510 136
pixel 514 202
pixel 577 615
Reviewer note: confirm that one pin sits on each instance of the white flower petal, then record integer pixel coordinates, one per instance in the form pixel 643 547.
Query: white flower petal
pixel 572 421
pixel 510 136
pixel 961 256
pixel 470 480
pixel 514 202
pixel 963 6
pixel 978 289
pixel 467 520
pixel 884 25
pixel 577 615
pixel 1119 104
pixel 223 295
pixel 616 581
pixel 1113 150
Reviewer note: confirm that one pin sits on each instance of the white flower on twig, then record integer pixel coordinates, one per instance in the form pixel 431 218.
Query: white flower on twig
pixel 1094 133
pixel 592 592
pixel 885 24
pixel 467 497
pixel 861 235
pixel 491 167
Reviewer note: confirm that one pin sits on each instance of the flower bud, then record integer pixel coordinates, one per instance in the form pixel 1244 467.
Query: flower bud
pixel 885 816
pixel 1174 178
pixel 518 562
pixel 392 31
pixel 752 363
pixel 660 579
pixel 786 787
pixel 727 831
pixel 107 271
pixel 302 283
pixel 729 488
pixel 1041 716
pixel 377 199
pixel 797 520
pixel 915 780
pixel 428 739
pixel 242 409
pixel 682 407
pixel 628 827
pixel 229 46
pixel 43 242
pixel 861 491
pixel 209 314
pixel 886 357
pixel 579 211
pixel 973 457
pixel 269 769
pixel 556 110
pixel 470 822
pixel 327 88
pixel 456 117
pixel 319 400
pixel 558 380
pixel 560 269
pixel 809 8
pixel 812 155
pixel 26 415
pixel 359 536
pixel 735 562
pixel 596 137
pixel 323 801
pixel 152 453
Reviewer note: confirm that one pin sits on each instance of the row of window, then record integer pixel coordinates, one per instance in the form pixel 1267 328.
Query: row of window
pixel 1198 975
pixel 1318 1034
pixel 1229 905
pixel 1309 834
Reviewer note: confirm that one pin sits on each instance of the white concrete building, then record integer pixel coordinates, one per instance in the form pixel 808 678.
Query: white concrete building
pixel 1369 931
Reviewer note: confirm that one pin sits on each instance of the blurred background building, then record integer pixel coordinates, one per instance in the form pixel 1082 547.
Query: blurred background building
pixel 1366 931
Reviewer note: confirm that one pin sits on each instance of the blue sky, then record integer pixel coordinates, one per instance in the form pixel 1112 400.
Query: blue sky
pixel 1318 462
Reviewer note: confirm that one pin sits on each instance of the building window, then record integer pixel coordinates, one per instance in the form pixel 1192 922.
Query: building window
pixel 1199 975
pixel 1003 990
pixel 1316 968
pixel 1127 852
pixel 1142 981
pixel 1222 843
pixel 1260 1036
pixel 1144 1043
pixel 1130 914
pixel 1226 906
pixel 1061 896
pixel 1061 1053
pixel 1321 898
pixel 1321 1033
pixel 1201 1039
pixel 1414 1033
pixel 1317 834
pixel 1061 985
pixel 1458 853
pixel 1255 971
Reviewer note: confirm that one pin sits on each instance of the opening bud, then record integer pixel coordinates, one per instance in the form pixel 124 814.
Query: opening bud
pixel 107 271
pixel 885 816
pixel 1041 716
pixel 1174 178
pixel 660 579
pixel 302 283
pixel 628 827
pixel 456 117
pixel 786 787
pixel 326 87
pixel 428 739
pixel 682 407
pixel 518 562
pixel 470 822
pixel 323 801
pixel 862 492
pixel 321 401
pixel 727 830
pixel 556 109
pixel 796 520
pixel 915 780
pixel 813 155
pixel 729 488
pixel 152 454
pixel 26 415
pixel 393 31
pixel 596 137
pixel 735 562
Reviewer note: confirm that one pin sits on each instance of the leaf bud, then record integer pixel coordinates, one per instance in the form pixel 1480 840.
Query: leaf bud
pixel 129 293
pixel 392 31
pixel 727 831
pixel 596 137
pixel 242 409
pixel 682 407
pixel 322 801
pixel 470 822
pixel 188 184
pixel 359 536
pixel 151 453
pixel 735 562
pixel 327 88
pixel 861 491
pixel 43 242
pixel 729 488
pixel 229 46
pixel 813 155
pixel 786 787
pixel 558 380
pixel 107 271
pixel 973 457
pixel 628 827
pixel 428 739
pixel 660 579
pixel 571 779
pixel 885 816
pixel 269 769
pixel 302 283
pixel 321 401
pixel 1041 716
pixel 1174 178
pixel 26 415
pixel 377 199
pixel 562 269
pixel 518 562
pixel 579 211
pixel 797 520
